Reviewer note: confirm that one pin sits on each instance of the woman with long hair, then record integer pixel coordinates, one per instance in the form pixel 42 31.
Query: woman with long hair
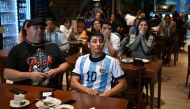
pixel 142 43
pixel 22 33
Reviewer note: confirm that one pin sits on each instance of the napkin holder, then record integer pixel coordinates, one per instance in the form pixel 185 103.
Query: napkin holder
pixel 138 62
pixel 44 94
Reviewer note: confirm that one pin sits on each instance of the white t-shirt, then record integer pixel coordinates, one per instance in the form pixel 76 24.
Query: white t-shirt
pixel 130 19
pixel 115 40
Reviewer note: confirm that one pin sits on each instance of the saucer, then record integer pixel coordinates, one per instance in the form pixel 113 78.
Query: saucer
pixel 127 60
pixel 67 106
pixel 145 60
pixel 12 104
pixel 48 102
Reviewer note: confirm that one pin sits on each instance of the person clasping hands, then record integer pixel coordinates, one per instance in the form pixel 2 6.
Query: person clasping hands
pixel 35 61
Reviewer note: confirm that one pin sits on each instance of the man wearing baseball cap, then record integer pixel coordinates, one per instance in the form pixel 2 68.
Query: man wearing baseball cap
pixel 35 61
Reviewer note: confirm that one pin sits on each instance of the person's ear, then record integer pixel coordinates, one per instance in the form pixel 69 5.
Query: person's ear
pixel 88 44
pixel 27 29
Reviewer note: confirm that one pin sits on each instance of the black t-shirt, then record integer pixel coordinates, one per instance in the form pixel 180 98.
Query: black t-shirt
pixel 27 57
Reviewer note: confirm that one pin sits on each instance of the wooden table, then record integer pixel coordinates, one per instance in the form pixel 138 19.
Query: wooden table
pixel 3 56
pixel 75 42
pixel 83 101
pixel 153 72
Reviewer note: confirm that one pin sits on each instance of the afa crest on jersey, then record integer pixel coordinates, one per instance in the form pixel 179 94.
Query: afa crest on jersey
pixel 102 70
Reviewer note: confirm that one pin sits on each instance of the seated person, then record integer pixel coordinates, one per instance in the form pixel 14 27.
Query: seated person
pixel 67 29
pixel 167 26
pixel 81 31
pixel 94 72
pixel 111 40
pixel 134 28
pixel 54 35
pixel 96 25
pixel 167 35
pixel 22 33
pixel 141 46
pixel 142 43
pixel 35 61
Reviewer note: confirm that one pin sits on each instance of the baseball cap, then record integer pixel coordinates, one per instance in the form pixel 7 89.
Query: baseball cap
pixel 50 18
pixel 37 21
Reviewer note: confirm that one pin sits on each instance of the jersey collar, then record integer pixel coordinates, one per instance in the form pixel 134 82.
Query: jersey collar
pixel 97 59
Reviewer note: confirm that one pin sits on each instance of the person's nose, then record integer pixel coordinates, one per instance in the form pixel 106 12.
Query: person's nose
pixel 98 43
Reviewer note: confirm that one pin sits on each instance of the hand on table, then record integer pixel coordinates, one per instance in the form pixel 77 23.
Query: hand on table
pixel 92 92
pixel 106 94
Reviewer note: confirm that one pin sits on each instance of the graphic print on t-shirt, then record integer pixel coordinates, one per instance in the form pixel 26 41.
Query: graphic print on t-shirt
pixel 39 61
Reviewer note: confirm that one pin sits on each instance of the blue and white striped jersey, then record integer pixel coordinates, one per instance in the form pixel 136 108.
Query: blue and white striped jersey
pixel 97 75
pixel 57 37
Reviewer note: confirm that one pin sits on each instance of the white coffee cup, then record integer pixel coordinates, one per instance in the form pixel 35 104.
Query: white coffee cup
pixel 18 98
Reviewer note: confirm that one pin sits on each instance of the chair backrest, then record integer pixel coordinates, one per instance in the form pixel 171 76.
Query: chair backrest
pixel 134 77
pixel 131 75
pixel 161 44
pixel 134 88
pixel 188 55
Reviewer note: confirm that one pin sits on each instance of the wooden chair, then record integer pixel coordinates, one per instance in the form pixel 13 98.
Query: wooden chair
pixel 134 85
pixel 3 57
pixel 188 68
pixel 161 47
pixel 174 48
pixel 74 48
pixel 2 64
pixel 69 76
pixel 189 93
pixel 165 46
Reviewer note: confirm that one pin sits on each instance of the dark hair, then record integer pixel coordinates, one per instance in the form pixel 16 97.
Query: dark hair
pixel 94 21
pixel 167 15
pixel 149 32
pixel 137 19
pixel 66 19
pixel 115 25
pixel 92 25
pixel 23 30
pixel 50 18
pixel 106 22
pixel 95 33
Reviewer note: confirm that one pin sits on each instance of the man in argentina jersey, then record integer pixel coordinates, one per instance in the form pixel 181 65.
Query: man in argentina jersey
pixel 93 73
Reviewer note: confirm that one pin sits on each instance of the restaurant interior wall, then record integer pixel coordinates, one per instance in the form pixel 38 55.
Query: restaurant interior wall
pixel 13 13
pixel 167 6
pixel 132 6
pixel 66 8
pixel 16 11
